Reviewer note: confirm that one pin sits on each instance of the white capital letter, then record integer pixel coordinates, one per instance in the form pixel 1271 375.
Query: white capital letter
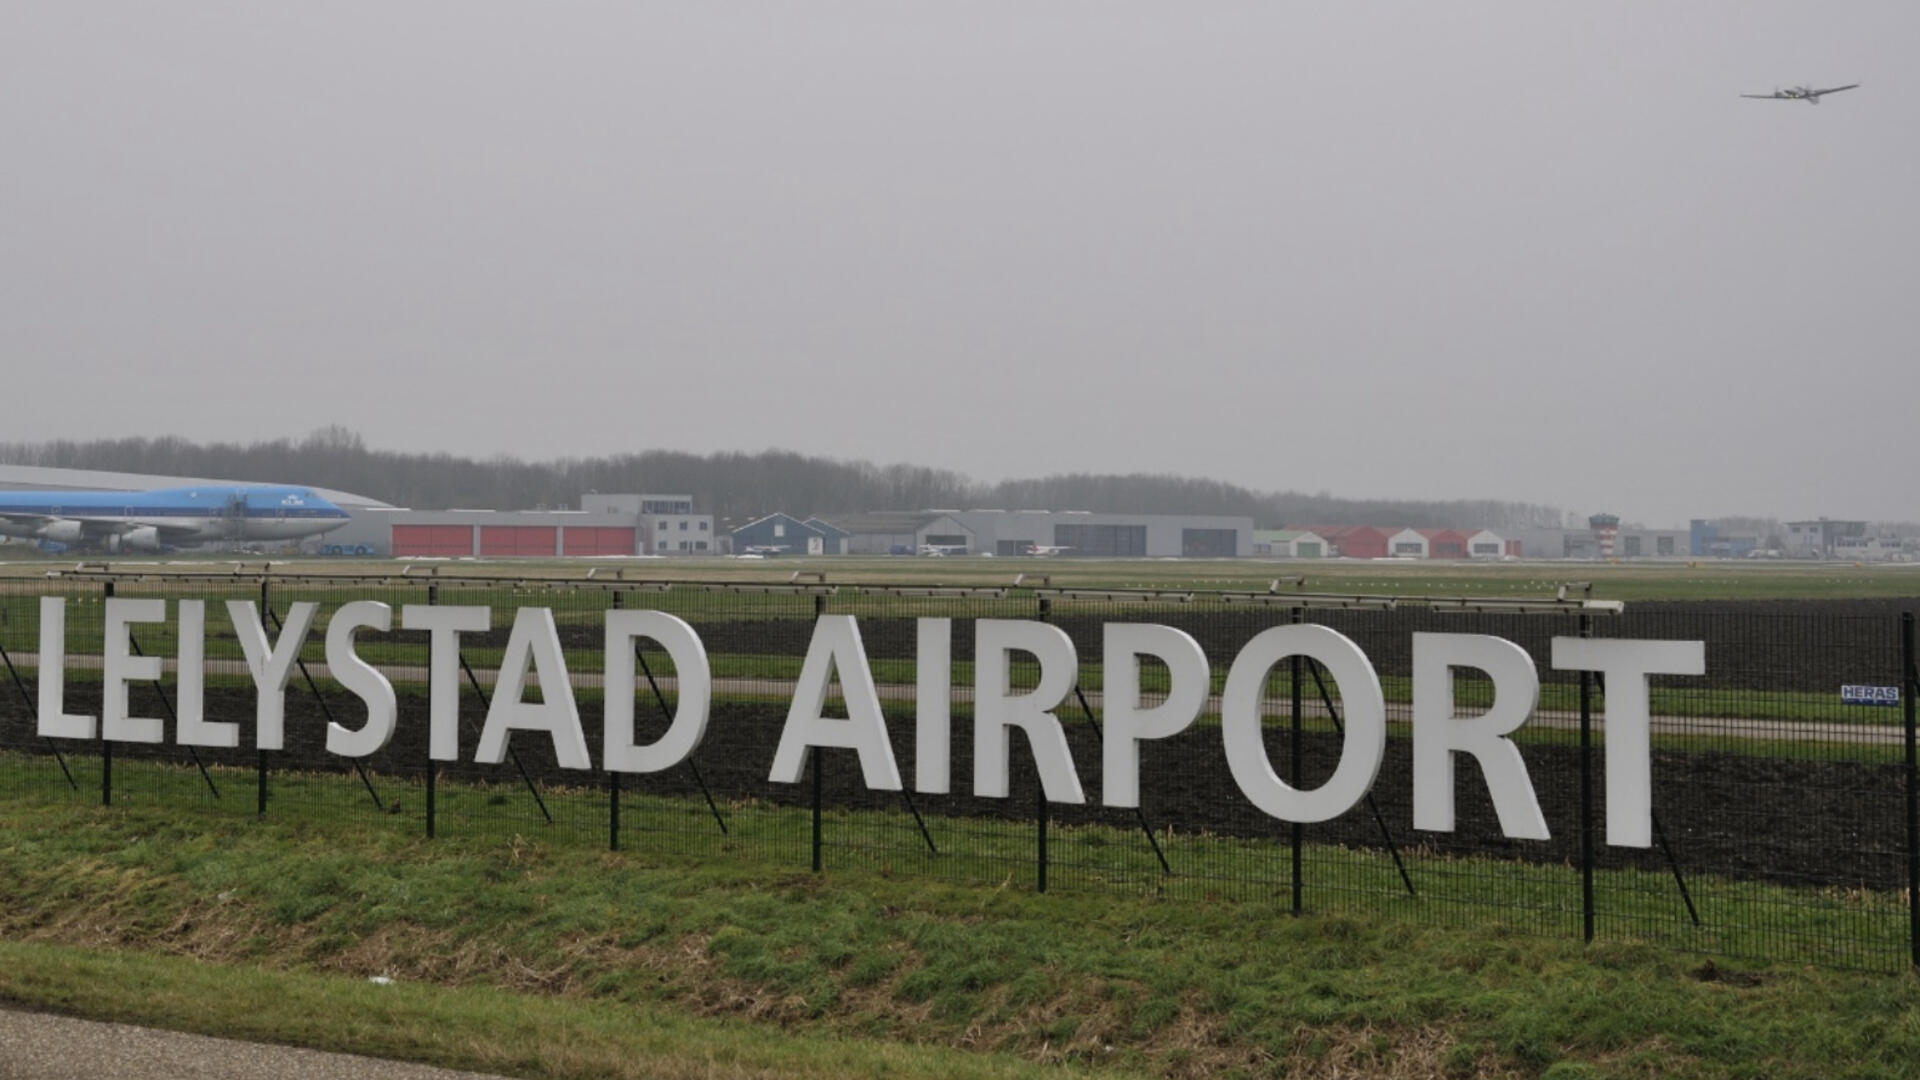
pixel 443 669
pixel 1626 665
pixel 1438 733
pixel 270 664
pixel 933 707
pixel 691 672
pixel 996 707
pixel 122 666
pixel 191 672
pixel 1242 706
pixel 363 679
pixel 534 640
pixel 836 647
pixel 1127 721
pixel 55 720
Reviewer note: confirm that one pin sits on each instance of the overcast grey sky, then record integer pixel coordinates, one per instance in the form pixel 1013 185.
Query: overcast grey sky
pixel 1511 250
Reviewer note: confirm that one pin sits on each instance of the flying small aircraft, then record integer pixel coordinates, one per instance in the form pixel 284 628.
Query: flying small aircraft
pixel 1801 93
pixel 147 520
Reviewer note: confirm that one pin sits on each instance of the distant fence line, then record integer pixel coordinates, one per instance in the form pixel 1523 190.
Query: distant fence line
pixel 1785 812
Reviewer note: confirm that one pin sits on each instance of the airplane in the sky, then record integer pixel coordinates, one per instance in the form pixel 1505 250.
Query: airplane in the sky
pixel 1801 93
pixel 149 520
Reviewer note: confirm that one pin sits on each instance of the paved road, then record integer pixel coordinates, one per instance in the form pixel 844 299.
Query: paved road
pixel 42 1046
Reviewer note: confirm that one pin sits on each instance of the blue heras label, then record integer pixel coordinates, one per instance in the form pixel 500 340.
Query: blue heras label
pixel 1870 695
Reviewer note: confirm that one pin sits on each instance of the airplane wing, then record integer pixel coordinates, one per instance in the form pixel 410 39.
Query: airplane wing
pixel 25 521
pixel 1835 89
pixel 166 530
pixel 95 528
pixel 1776 95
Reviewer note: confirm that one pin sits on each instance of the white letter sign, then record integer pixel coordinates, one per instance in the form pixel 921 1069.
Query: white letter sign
pixel 122 666
pixel 270 664
pixel 55 720
pixel 1241 719
pixel 836 647
pixel 1128 721
pixel 691 672
pixel 1438 733
pixel 996 707
pixel 535 642
pixel 1629 722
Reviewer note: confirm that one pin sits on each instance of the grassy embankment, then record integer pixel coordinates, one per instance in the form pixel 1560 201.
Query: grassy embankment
pixel 544 956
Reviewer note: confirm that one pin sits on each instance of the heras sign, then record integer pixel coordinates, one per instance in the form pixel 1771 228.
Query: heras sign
pixel 1440 735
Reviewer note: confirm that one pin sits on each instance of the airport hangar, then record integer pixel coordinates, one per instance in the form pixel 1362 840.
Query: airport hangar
pixel 645 524
pixel 604 525
pixel 1070 532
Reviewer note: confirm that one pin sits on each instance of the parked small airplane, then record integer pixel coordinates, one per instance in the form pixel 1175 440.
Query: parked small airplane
pixel 147 520
pixel 1801 93
pixel 943 549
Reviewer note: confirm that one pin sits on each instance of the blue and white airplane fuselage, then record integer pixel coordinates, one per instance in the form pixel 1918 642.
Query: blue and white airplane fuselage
pixel 149 520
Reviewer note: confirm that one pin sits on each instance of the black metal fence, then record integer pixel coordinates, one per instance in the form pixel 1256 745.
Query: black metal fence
pixel 1784 814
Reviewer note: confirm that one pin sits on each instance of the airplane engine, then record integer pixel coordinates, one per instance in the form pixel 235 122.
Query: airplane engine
pixel 144 538
pixel 64 532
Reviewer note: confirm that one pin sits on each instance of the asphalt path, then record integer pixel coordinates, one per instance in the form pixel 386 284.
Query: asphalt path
pixel 45 1046
pixel 1712 727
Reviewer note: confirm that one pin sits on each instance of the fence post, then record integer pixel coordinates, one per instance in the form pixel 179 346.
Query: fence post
pixel 1586 792
pixel 1297 832
pixel 106 746
pixel 1912 681
pixel 613 775
pixel 433 597
pixel 1040 795
pixel 613 810
pixel 815 756
pixel 266 607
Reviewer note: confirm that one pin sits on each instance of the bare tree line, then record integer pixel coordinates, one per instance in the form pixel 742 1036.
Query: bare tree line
pixel 735 486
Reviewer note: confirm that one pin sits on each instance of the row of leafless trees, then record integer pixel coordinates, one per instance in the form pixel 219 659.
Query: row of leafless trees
pixel 736 486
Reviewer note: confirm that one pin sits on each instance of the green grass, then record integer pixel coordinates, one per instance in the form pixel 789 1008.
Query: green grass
pixel 537 952
pixel 480 1028
pixel 1631 581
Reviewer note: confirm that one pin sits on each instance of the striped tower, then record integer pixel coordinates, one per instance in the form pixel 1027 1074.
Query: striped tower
pixel 1606 529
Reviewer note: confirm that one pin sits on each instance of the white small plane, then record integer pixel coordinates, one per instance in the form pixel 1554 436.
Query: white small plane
pixel 1801 93
pixel 943 549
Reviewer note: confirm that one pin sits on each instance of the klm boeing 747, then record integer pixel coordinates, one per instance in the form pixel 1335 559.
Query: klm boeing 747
pixel 149 520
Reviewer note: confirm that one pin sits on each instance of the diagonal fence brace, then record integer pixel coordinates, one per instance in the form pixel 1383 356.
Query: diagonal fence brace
pixel 173 716
pixel 33 710
pixel 327 712
pixel 1386 834
pixel 524 775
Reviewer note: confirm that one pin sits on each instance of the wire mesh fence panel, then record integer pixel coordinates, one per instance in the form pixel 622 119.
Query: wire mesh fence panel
pixel 1464 762
pixel 1779 806
pixel 29 761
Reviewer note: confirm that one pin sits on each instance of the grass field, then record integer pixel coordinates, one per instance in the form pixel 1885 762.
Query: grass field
pixel 1677 580
pixel 513 951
